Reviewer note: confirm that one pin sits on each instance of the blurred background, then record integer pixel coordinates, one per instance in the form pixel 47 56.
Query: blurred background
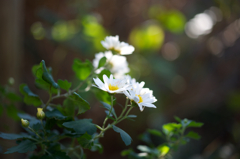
pixel 186 51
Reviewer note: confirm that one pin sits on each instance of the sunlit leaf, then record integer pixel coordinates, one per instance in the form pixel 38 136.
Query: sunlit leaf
pixel 102 62
pixel 147 37
pixel 164 149
pixel 82 69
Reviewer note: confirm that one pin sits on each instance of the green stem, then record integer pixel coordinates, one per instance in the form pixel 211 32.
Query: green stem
pixel 125 108
pixel 34 132
pixel 108 113
pixel 49 100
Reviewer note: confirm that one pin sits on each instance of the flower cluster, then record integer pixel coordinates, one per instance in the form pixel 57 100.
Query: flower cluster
pixel 116 63
pixel 143 97
pixel 118 66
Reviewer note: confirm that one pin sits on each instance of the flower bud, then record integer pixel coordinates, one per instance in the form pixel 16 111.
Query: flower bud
pixel 11 81
pixel 40 113
pixel 25 123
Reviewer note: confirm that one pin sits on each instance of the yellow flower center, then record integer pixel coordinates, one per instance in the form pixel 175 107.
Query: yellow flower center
pixel 115 50
pixel 112 88
pixel 140 99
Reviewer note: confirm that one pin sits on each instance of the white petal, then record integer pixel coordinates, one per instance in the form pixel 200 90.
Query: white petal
pixel 149 105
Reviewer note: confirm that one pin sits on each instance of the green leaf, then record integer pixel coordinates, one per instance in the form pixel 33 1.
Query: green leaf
pixel 108 107
pixel 177 119
pixel 23 147
pixel 14 136
pixel 193 135
pixel 126 152
pixel 195 124
pixel 164 149
pixel 82 69
pixel 125 137
pixel 170 128
pixel 102 62
pixel 40 83
pixel 64 84
pixel 104 72
pixel 131 116
pixel 32 120
pixel 13 97
pixel 56 155
pixel 46 76
pixel 12 112
pixel 29 97
pixel 155 132
pixel 85 141
pixel 37 70
pixel 78 102
pixel 101 95
pixel 55 114
pixel 82 126
pixel 144 148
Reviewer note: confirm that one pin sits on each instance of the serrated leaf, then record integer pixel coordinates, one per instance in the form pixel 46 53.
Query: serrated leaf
pixel 102 62
pixel 46 76
pixel 82 126
pixel 108 107
pixel 55 114
pixel 14 136
pixel 82 69
pixel 193 135
pixel 64 84
pixel 23 147
pixel 78 102
pixel 29 97
pixel 125 137
pixel 155 132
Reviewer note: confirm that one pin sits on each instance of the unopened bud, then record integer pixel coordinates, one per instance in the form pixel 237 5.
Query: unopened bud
pixel 25 123
pixel 40 113
pixel 11 81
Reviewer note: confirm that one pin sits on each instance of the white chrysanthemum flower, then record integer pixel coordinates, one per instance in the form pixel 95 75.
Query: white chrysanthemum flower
pixel 143 97
pixel 131 81
pixel 113 43
pixel 117 65
pixel 112 85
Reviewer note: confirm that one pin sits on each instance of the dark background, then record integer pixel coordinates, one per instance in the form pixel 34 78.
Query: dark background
pixel 194 73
